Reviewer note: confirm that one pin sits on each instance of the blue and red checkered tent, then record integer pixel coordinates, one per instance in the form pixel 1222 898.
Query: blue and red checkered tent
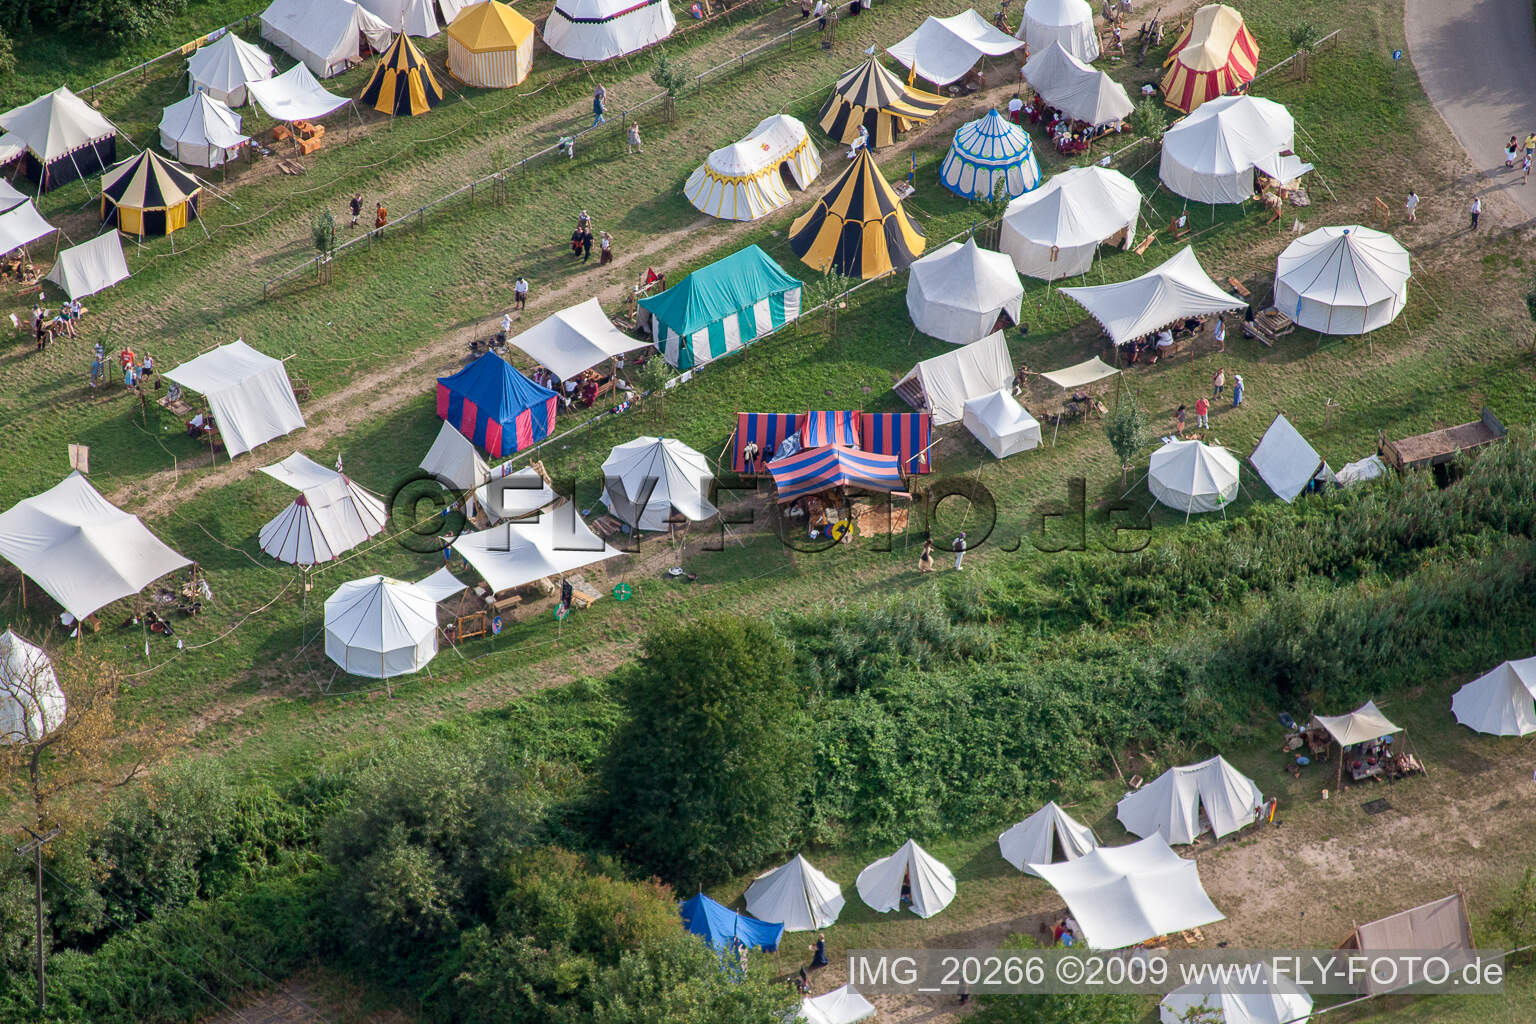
pixel 818 469
pixel 822 428
pixel 767 430
pixel 496 407
pixel 903 434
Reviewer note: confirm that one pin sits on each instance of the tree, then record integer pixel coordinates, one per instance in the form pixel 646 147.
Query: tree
pixel 827 290
pixel 705 780
pixel 1149 120
pixel 1514 918
pixel 993 207
pixel 1530 302
pixel 672 76
pixel 1087 1007
pixel 1302 38
pixel 1128 431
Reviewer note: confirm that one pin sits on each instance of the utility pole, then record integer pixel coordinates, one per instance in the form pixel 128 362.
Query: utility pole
pixel 35 848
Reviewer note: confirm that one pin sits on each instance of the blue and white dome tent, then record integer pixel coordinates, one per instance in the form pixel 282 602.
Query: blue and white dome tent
pixel 988 150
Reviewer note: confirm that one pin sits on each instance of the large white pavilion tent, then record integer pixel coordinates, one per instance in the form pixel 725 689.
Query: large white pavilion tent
pixel 662 473
pixel 201 130
pixel 1054 231
pixel 326 35
pixel 957 292
pixel 1342 280
pixel 1067 22
pixel 1175 289
pixel 1501 702
pixel 1183 802
pixel 1209 156
pixel 224 67
pixel 1048 836
pixel 249 394
pixel 795 895
pixel 574 339
pixel 942 50
pixel 603 29
pixel 932 884
pixel 380 627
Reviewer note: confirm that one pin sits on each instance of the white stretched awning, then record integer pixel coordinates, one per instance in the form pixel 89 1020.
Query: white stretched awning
pixel 87 268
pixel 10 196
pixel 1079 374
pixel 294 95
pixel 574 340
pixel 22 226
pixel 513 554
pixel 249 394
pixel 1177 288
pixel 1361 725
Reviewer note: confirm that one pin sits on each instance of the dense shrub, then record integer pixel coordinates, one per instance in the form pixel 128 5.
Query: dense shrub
pixel 846 648
pixel 118 19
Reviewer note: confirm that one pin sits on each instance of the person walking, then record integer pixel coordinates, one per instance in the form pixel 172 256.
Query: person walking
pixel 1219 382
pixel 1525 170
pixel 633 139
pixel 599 105
pixel 357 207
pixel 1530 144
pixel 1178 419
pixel 819 952
pixel 520 293
pixel 1221 333
pixel 1511 151
pixel 506 326
pixel 1237 390
pixel 1412 206
pixel 605 250
pixel 959 549
pixel 819 12
pixel 1202 411
pixel 586 244
pixel 1476 211
pixel 925 560
pixel 380 215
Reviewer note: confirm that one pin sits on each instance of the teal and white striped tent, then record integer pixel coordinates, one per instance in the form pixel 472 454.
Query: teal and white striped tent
pixel 722 307
pixel 986 151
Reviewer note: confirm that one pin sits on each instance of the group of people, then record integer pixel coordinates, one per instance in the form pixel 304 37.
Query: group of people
pixel 1070 136
pixel 925 564
pixel 581 241
pixel 1064 932
pixel 801 982
pixel 135 369
pixel 380 214
pixel 1516 155
pixel 44 326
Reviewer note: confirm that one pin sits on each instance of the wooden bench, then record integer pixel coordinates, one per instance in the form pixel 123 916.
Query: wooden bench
pixel 1237 286
pixel 1145 243
pixel 583 594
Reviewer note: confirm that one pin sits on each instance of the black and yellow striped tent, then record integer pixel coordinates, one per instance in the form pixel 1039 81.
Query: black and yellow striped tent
pixel 858 228
pixel 149 195
pixel 402 83
pixel 872 96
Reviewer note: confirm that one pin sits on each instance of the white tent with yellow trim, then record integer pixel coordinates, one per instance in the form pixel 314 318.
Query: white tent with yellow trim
pixel 490 46
pixel 751 178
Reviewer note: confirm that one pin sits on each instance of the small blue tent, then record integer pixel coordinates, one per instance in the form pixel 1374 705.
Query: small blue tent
pixel 496 407
pixel 720 925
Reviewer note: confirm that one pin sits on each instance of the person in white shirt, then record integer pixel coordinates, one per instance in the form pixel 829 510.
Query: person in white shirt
pixel 520 293
pixel 1015 109
pixel 1412 206
pixel 1477 210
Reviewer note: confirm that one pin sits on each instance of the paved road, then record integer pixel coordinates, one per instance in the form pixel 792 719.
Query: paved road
pixel 1477 61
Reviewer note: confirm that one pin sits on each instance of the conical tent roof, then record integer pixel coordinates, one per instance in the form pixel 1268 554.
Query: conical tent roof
pixel 149 182
pixel 1281 1002
pixel 55 125
pixel 1177 288
pixel 201 130
pixel 402 83
pixel 1068 22
pixel 225 66
pixel 664 474
pixel 1342 280
pixel 1501 702
pixel 1192 477
pixel 1213 56
pixel 859 227
pixel 1210 155
pixel 932 884
pixel 31 702
pixel 988 151
pixel 956 292
pixel 325 521
pixel 1172 804
pixel 490 25
pixel 795 895
pixel 1081 92
pixel 604 29
pixel 1054 231
pixel 454 459
pixel 1045 837
pixel 380 627
pixel 871 96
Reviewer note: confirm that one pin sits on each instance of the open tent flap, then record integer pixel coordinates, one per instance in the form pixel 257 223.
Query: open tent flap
pixel 1361 725
pixel 513 554
pixel 248 392
pixel 932 884
pixel 1048 835
pixel 943 384
pixel 1081 374
pixel 22 226
pixel 842 1005
pixel 1285 461
pixel 1283 167
pixel 295 95
pixel 1171 804
pixel 87 268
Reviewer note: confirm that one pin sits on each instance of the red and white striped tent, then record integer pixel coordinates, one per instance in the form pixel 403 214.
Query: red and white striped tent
pixel 1213 56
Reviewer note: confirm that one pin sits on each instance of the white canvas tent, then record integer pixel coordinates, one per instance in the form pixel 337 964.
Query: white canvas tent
pixel 1369 468
pixel 331 515
pixel 1177 288
pixel 513 493
pixel 1001 424
pixel 663 473
pixel 1209 156
pixel 1190 476
pixel 1286 461
pixel 81 549
pixel 22 225
pixel 1182 803
pixel 1501 702
pixel 31 702
pixel 1361 725
pixel 943 384
pixel 1067 22
pixel 957 292
pixel 1122 895
pixel 454 459
pixel 201 130
pixel 1079 91
pixel 10 196
pixel 574 340
pixel 1048 836
pixel 326 35
pixel 1054 231
pixel 380 627
pixel 224 67
pixel 603 29
pixel 1342 280
pixel 66 137
pixel 932 884
pixel 842 1005
pixel 514 554
pixel 87 268
pixel 248 393
pixel 413 17
pixel 1282 1001
pixel 942 50
pixel 750 179
pixel 295 95
pixel 795 895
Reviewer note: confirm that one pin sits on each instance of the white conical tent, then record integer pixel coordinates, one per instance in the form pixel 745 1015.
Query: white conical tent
pixel 201 131
pixel 517 553
pixel 932 884
pixel 842 1005
pixel 1192 477
pixel 1068 22
pixel 1048 836
pixel 1209 156
pixel 330 516
pixel 454 459
pixel 1281 1002
pixel 1501 702
pixel 604 29
pixel 795 895
pixel 87 268
pixel 957 292
pixel 31 701
pixel 574 339
pixel 1000 423
pixel 1342 280
pixel 1054 231
pixel 514 493
pixel 942 50
pixel 224 67
pixel 380 627
pixel 413 17
pixel 746 180
pixel 1172 804
pixel 1080 92
pixel 1177 288
pixel 644 480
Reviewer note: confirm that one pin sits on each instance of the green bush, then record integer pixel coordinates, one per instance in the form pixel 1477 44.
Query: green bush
pixel 118 19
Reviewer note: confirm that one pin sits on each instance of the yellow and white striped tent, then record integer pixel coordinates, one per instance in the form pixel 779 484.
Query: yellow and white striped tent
pixel 490 46
pixel 402 83
pixel 750 179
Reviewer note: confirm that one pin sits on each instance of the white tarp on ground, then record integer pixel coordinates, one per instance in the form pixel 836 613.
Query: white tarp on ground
pixel 1172 804
pixel 1286 461
pixel 87 268
pixel 323 34
pixel 413 17
pixel 201 130
pixel 663 474
pixel 10 196
pixel 380 627
pixel 225 66
pixel 1079 374
pixel 1068 22
pixel 330 516
pixel 31 701
pixel 248 393
pixel 574 340
pixel 81 549
pixel 942 50
pixel 1048 836
pixel 1192 477
pixel 1361 725
pixel 1282 1002
pixel 1501 702
pixel 1342 280
pixel 1054 231
pixel 795 895
pixel 55 125
pixel 956 292
pixel 1079 91
pixel 932 884
pixel 454 459
pixel 1122 895
pixel 1179 287
pixel 513 554
pixel 1001 424
pixel 842 1005
pixel 295 95
pixel 603 29
pixel 1369 468
pixel 513 493
pixel 943 384
pixel 1209 156
pixel 21 226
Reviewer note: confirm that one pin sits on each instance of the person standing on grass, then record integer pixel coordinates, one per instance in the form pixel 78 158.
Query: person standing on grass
pixel 1412 206
pixel 925 560
pixel 959 549
pixel 357 207
pixel 819 952
pixel 605 250
pixel 586 244
pixel 1221 333
pixel 520 293
pixel 1178 419
pixel 380 216
pixel 1476 211
pixel 1202 410
pixel 819 12
pixel 805 10
pixel 599 105
pixel 634 138
pixel 1237 390
pixel 1219 382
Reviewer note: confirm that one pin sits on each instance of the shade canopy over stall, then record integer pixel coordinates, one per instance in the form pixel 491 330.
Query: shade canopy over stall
pixel 942 50
pixel 574 339
pixel 295 95
pixel 1174 290
pixel 517 553
pixel 1361 725
pixel 814 470
pixel 248 393
pixel 22 225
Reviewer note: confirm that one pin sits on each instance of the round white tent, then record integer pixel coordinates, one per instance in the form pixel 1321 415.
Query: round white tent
pixel 932 884
pixel 957 292
pixel 1342 280
pixel 1209 156
pixel 1068 22
pixel 31 702
pixel 795 895
pixel 603 29
pixel 1192 477
pixel 1001 424
pixel 1501 702
pixel 750 179
pixel 223 68
pixel 1053 232
pixel 201 131
pixel 644 480
pixel 1048 836
pixel 380 627
pixel 1281 1002
pixel 1182 803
